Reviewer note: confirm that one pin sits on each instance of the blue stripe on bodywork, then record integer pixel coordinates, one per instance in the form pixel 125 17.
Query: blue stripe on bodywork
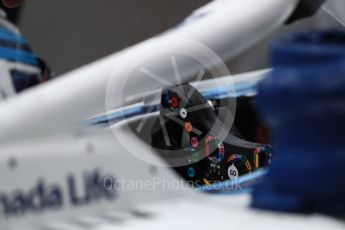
pixel 123 114
pixel 18 56
pixel 6 34
pixel 242 184
pixel 229 91
pixel 15 45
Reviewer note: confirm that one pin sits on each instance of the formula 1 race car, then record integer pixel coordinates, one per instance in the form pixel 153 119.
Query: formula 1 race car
pixel 159 135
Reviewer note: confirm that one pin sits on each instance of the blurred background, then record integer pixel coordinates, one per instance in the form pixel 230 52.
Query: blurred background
pixel 69 34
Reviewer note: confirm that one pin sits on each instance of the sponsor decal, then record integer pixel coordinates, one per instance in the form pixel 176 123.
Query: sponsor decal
pixel 43 196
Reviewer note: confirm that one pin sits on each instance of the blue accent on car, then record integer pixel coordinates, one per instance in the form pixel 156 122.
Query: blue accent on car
pixel 15 48
pixel 243 184
pixel 122 114
pixel 15 45
pixel 6 34
pixel 229 91
pixel 18 56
